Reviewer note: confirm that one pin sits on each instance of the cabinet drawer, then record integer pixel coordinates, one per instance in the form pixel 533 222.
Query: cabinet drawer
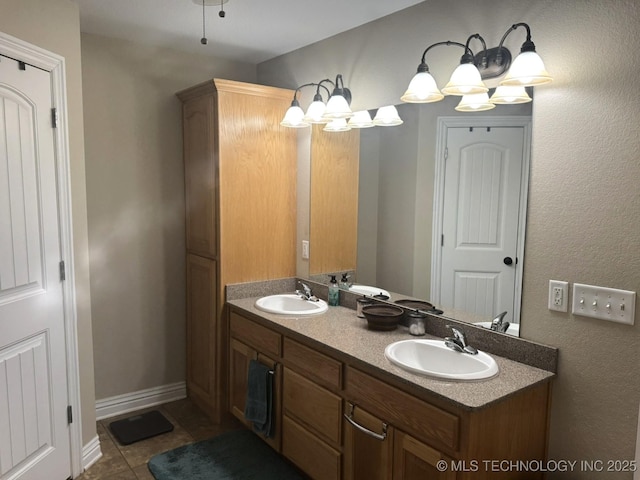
pixel 312 363
pixel 316 458
pixel 411 414
pixel 257 336
pixel 312 405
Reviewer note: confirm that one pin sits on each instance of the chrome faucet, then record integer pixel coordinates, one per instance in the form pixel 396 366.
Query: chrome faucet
pixel 459 342
pixel 499 324
pixel 307 294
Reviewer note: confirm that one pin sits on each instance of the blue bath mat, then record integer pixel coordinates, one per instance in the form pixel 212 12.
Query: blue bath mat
pixel 238 455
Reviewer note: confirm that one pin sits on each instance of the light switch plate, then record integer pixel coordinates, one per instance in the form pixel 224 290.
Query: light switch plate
pixel 305 249
pixel 558 295
pixel 604 303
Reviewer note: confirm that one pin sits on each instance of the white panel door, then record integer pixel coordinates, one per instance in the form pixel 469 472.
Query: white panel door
pixel 480 220
pixel 34 434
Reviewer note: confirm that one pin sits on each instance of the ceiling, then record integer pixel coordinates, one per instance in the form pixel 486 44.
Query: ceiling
pixel 252 30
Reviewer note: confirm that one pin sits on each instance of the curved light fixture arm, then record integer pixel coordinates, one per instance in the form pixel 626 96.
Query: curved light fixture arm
pixel 312 84
pixel 339 88
pixel 527 46
pixel 423 67
pixel 468 56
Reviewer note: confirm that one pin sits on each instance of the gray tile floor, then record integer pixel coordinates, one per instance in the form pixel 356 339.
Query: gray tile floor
pixel 129 462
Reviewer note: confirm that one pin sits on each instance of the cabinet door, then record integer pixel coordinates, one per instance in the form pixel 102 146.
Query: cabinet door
pixel 368 446
pixel 413 460
pixel 201 333
pixel 200 176
pixel 239 357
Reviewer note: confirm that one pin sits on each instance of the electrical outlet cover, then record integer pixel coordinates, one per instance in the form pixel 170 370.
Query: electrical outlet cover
pixel 558 296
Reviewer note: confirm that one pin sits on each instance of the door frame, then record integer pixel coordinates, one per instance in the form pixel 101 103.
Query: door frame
pixel 55 65
pixel 444 123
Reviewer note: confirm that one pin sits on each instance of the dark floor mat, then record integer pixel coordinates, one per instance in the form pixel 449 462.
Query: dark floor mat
pixel 140 427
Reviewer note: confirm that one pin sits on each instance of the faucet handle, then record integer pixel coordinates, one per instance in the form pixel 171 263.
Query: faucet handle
pixel 459 340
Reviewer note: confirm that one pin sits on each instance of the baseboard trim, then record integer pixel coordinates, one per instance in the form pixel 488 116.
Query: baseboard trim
pixel 91 453
pixel 128 402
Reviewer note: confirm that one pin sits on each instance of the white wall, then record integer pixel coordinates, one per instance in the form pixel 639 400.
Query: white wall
pixel 135 198
pixel 584 176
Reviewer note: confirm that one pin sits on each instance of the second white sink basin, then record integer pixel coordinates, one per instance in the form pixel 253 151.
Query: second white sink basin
pixel 290 304
pixel 368 290
pixel 433 358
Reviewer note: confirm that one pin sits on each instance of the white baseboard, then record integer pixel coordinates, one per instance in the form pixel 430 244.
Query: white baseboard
pixel 128 402
pixel 91 453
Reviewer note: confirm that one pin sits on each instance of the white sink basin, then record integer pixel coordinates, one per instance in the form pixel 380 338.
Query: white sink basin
pixel 513 329
pixel 368 290
pixel 434 359
pixel 290 304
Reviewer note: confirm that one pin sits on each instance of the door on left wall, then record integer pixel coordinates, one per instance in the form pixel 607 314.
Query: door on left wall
pixel 34 429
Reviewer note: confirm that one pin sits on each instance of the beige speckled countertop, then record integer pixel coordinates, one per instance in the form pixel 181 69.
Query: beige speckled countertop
pixel 341 331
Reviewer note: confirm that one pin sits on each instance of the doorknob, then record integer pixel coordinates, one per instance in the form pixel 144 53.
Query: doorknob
pixel 507 260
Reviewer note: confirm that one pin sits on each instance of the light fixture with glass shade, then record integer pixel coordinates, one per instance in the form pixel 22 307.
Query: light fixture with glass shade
pixel 508 95
pixel 361 119
pixel 467 78
pixel 317 108
pixel 294 118
pixel 387 116
pixel 337 125
pixel 338 104
pixel 475 102
pixel 423 87
pixel 527 69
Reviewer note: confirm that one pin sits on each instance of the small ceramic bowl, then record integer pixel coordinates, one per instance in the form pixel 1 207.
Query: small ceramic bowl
pixel 382 317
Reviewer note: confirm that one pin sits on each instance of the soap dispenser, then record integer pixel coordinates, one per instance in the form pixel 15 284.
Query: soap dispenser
pixel 334 292
pixel 344 282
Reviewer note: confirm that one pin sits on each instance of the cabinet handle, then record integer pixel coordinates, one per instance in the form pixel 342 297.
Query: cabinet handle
pixel 377 436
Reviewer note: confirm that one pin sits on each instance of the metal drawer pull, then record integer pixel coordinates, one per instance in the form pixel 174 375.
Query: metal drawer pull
pixel 377 436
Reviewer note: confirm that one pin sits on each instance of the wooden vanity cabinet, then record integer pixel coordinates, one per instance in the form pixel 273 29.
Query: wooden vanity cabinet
pixel 240 183
pixel 391 433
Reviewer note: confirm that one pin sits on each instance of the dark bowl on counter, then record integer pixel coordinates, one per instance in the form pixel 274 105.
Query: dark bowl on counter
pixel 382 317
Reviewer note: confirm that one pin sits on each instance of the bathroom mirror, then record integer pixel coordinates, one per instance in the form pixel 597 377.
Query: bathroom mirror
pixel 397 179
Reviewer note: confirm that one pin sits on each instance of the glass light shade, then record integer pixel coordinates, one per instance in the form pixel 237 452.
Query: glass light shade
pixel 422 89
pixel 337 107
pixel 337 125
pixel 387 117
pixel 477 102
pixel 526 70
pixel 315 113
pixel 294 118
pixel 361 119
pixel 507 94
pixel 465 80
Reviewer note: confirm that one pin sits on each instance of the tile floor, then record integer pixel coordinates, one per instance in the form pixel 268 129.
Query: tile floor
pixel 129 462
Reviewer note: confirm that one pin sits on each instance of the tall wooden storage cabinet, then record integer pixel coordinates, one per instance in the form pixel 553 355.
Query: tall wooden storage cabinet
pixel 240 182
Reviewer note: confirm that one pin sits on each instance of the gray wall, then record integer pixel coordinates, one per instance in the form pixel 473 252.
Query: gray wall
pixel 135 199
pixel 584 176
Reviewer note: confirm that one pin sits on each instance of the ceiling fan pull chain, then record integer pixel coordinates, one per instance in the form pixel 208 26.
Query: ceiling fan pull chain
pixel 203 40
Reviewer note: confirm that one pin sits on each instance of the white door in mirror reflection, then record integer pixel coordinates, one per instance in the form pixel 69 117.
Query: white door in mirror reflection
pixel 482 194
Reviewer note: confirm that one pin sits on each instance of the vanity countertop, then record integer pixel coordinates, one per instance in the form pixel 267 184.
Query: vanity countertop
pixel 339 330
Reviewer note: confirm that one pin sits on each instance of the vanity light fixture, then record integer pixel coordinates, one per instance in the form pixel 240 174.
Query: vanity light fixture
pixel 337 105
pixel 467 79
